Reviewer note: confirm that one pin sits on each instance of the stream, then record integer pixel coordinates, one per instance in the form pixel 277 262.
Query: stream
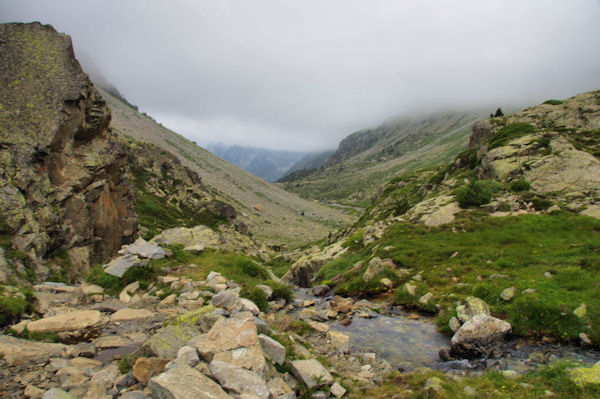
pixel 407 343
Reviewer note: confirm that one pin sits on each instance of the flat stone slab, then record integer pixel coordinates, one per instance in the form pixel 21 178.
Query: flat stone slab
pixel 185 383
pixel 144 249
pixel 311 373
pixel 126 314
pixel 118 266
pixel 68 321
pixel 168 340
pixel 17 351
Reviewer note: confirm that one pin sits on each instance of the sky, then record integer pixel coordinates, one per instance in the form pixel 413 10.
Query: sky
pixel 301 75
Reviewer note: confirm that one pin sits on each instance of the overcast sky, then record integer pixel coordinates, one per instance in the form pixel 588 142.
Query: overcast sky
pixel 301 75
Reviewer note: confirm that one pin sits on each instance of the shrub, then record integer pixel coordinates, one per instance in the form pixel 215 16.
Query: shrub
pixel 474 194
pixel 520 185
pixel 553 102
pixel 281 291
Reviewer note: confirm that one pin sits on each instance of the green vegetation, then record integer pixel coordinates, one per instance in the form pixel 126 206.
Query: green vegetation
pixel 14 303
pixel 553 102
pixel 494 254
pixel 244 270
pixel 257 296
pixel 509 133
pixel 491 384
pixel 474 194
pixel 520 185
pixel 156 214
pixel 587 140
pixel 114 285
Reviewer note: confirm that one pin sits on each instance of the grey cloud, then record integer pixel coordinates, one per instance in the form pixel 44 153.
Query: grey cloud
pixel 301 75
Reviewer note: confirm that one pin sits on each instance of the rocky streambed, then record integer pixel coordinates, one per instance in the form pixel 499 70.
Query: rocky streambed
pixel 206 341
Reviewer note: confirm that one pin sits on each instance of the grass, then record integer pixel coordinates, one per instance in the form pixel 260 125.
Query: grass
pixel 509 133
pixel 490 384
pixel 553 102
pixel 521 248
pixel 157 213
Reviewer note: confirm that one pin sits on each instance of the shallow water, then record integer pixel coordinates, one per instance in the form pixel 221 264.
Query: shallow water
pixel 404 343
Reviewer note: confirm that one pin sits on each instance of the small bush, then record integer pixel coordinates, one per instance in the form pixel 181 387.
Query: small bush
pixel 520 185
pixel 281 291
pixel 541 204
pixel 474 194
pixel 553 102
pixel 258 297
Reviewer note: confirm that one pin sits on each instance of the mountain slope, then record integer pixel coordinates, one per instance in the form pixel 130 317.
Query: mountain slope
pixel 512 220
pixel 261 162
pixel 367 159
pixel 271 213
pixel 310 161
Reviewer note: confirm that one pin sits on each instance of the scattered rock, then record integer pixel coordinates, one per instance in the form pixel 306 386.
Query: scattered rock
pixel 426 298
pixel 128 291
pixel 585 339
pixel 17 351
pixel 249 306
pixel 237 380
pixel 280 390
pixel 320 327
pixel 311 373
pixel 387 282
pixel 56 393
pixel 320 290
pixel 167 341
pixel 195 249
pixel 126 314
pixel 185 383
pixel 581 311
pixel 118 266
pixel 508 294
pixel 375 267
pixel 272 349
pixel 188 356
pixel 69 321
pixel 340 341
pixel 337 390
pixel 472 307
pixel 411 289
pixel 470 391
pixel 147 367
pixel 33 392
pixel 479 336
pixel 142 248
pixel 341 304
pixel 454 324
pixel 433 385
pixel 227 299
pixel 232 341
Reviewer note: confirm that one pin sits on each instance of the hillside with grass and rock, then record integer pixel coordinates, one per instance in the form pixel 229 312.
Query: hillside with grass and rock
pixel 273 214
pixel 369 158
pixel 131 268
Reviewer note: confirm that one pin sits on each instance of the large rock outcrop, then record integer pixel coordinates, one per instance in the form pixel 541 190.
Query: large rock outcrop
pixel 63 184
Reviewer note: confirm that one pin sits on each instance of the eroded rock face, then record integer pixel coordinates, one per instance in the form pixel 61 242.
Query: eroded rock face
pixel 62 179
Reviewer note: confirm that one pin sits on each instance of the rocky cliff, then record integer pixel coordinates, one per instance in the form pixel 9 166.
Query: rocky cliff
pixel 63 184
